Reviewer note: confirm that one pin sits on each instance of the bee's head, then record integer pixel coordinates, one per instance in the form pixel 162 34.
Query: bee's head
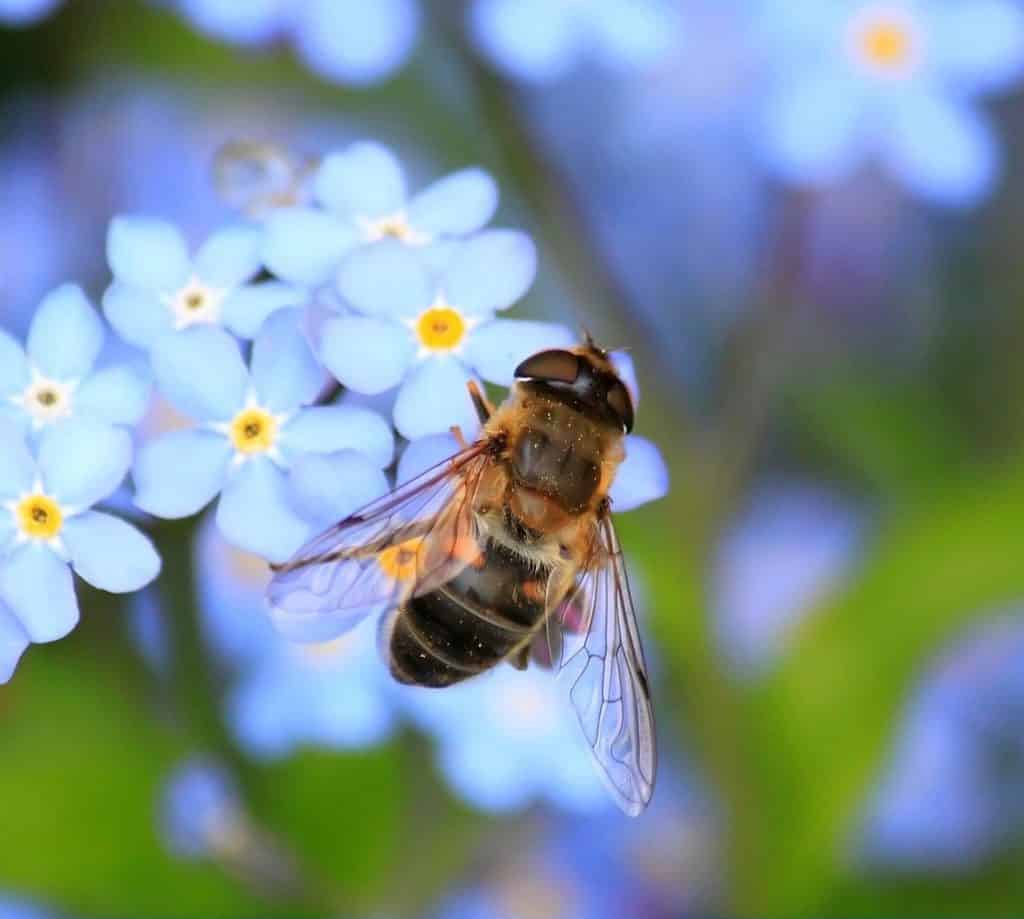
pixel 585 376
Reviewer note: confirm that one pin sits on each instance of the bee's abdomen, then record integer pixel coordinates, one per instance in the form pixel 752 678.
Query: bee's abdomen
pixel 469 624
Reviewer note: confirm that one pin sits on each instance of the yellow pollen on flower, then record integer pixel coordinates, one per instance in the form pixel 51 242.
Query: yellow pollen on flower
pixel 441 328
pixel 401 562
pixel 253 430
pixel 47 398
pixel 885 41
pixel 886 44
pixel 394 226
pixel 39 517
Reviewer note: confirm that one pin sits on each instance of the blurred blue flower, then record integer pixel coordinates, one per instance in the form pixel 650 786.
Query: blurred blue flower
pixel 201 812
pixel 25 12
pixel 893 83
pixel 55 377
pixel 789 547
pixel 345 41
pixel 542 40
pixel 364 199
pixel 334 695
pixel 47 528
pixel 158 289
pixel 268 456
pixel 952 796
pixel 434 330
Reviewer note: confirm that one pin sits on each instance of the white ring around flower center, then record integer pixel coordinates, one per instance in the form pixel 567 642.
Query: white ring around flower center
pixel 46 400
pixel 394 226
pixel 195 303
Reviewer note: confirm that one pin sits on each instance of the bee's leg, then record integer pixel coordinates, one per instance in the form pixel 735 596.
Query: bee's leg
pixel 521 659
pixel 459 438
pixel 484 409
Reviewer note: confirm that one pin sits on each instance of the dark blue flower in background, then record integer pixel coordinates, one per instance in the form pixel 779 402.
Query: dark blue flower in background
pixel 363 198
pixel 48 529
pixel 894 84
pixel 254 428
pixel 25 12
pixel 542 40
pixel 56 377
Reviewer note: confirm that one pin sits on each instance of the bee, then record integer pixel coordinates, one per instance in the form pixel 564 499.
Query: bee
pixel 506 544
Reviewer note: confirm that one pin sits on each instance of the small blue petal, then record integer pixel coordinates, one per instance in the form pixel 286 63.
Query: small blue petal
pixel 285 373
pixel 386 279
pixel 178 474
pixel 326 489
pixel 490 271
pixel 425 453
pixel 17 468
pixel 246 308
pixel 38 588
pixel 373 43
pixel 623 364
pixel 434 398
pixel 109 553
pixel 631 33
pixel 250 23
pixel 83 460
pixel 201 373
pixel 497 347
pixel 978 46
pixel 365 354
pixel 305 246
pixel 200 808
pixel 456 205
pixel 14 375
pixel 147 253
pixel 328 428
pixel 118 394
pixel 642 477
pixel 230 257
pixel 66 334
pixel 254 512
pixel 365 180
pixel 25 12
pixel 486 776
pixel 13 642
pixel 137 314
pixel 535 40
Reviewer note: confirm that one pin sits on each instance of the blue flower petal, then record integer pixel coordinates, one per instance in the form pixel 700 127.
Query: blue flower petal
pixel 623 364
pixel 305 246
pixel 25 12
pixel 255 514
pixel 178 474
pixel 632 33
pixel 365 354
pixel 434 398
pixel 456 205
pixel 66 334
pixel 386 279
pixel 246 308
pixel 14 375
pixel 425 453
pixel 147 253
pixel 109 553
pixel 373 42
pixel 326 489
pixel 535 40
pixel 497 347
pixel 642 477
pixel 486 775
pixel 13 642
pixel 328 428
pixel 17 467
pixel 230 256
pixel 118 394
pixel 83 460
pixel 250 23
pixel 978 46
pixel 942 149
pixel 200 371
pixel 490 271
pixel 136 314
pixel 285 374
pixel 38 588
pixel 365 180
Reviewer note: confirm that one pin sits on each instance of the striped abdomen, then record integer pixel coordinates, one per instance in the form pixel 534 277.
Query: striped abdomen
pixel 471 623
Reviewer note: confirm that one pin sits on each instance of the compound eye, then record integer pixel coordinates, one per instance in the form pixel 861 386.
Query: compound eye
pixel 621 404
pixel 554 366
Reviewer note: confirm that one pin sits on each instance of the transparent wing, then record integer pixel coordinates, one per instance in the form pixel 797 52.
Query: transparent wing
pixel 601 655
pixel 407 542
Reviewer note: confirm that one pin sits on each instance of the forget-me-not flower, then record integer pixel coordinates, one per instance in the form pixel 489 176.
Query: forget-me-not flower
pixel 345 41
pixel 158 288
pixel 893 82
pixel 542 40
pixel 433 330
pixel 254 429
pixel 55 376
pixel 363 198
pixel 48 528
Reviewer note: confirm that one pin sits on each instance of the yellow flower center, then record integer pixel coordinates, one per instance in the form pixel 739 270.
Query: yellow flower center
pixel 394 226
pixel 885 42
pixel 195 303
pixel 253 430
pixel 441 328
pixel 400 562
pixel 39 517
